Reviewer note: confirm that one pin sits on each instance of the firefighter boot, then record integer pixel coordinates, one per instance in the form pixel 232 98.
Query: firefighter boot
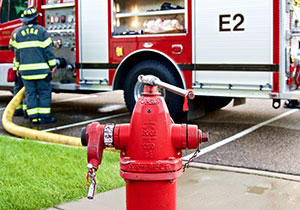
pixel 35 121
pixel 25 114
pixel 46 120
pixel 18 112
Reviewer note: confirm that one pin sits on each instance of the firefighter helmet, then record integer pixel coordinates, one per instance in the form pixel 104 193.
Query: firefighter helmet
pixel 29 14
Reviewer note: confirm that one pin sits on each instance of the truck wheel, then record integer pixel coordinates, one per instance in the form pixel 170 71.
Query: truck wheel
pixel 215 103
pixel 133 88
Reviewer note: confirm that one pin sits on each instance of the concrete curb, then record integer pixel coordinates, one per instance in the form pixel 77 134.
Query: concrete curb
pixel 245 171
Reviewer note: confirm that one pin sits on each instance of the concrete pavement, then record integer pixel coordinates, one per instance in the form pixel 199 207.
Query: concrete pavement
pixel 209 187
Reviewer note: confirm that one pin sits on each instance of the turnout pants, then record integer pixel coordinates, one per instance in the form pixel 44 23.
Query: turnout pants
pixel 38 97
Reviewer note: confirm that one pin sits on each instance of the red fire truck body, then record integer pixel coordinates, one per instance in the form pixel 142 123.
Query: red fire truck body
pixel 221 49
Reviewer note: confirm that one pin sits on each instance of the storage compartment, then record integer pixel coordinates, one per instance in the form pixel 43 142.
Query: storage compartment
pixel 134 17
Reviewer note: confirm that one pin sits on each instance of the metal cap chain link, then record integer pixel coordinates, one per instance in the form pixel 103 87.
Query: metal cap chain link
pixel 186 165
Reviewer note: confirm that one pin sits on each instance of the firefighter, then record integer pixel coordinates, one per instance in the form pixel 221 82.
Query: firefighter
pixel 35 62
pixel 21 109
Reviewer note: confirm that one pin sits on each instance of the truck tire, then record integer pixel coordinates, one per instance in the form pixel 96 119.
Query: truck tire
pixel 133 88
pixel 215 103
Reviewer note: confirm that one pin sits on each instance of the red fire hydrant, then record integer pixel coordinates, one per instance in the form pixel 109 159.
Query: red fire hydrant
pixel 151 151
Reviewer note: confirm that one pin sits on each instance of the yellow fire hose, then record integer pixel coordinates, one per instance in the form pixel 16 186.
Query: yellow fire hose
pixel 31 133
pixel 35 134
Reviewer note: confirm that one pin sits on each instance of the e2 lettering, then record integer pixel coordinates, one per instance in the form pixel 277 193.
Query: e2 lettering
pixel 225 22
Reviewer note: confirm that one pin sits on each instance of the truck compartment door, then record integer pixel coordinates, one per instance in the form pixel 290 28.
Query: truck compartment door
pixel 93 41
pixel 233 43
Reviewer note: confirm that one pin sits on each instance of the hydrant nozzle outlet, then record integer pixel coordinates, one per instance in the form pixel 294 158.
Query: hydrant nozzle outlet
pixel 204 137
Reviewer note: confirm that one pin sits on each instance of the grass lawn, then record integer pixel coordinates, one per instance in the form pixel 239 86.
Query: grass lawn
pixel 36 176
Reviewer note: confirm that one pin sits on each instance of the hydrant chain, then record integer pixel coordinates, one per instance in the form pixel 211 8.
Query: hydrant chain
pixel 186 165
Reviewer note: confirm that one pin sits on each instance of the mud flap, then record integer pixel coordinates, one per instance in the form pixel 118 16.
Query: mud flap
pixel 239 101
pixel 196 108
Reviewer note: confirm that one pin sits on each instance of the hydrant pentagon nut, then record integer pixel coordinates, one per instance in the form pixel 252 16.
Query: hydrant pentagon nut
pixel 151 151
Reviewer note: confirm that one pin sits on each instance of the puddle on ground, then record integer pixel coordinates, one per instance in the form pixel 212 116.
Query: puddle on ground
pixel 257 190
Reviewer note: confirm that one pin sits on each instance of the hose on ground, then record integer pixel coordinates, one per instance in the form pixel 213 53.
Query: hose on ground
pixel 31 133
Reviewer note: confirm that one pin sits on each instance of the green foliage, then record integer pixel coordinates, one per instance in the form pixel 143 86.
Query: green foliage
pixel 35 175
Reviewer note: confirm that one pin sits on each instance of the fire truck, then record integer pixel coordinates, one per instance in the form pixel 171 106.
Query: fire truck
pixel 221 49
